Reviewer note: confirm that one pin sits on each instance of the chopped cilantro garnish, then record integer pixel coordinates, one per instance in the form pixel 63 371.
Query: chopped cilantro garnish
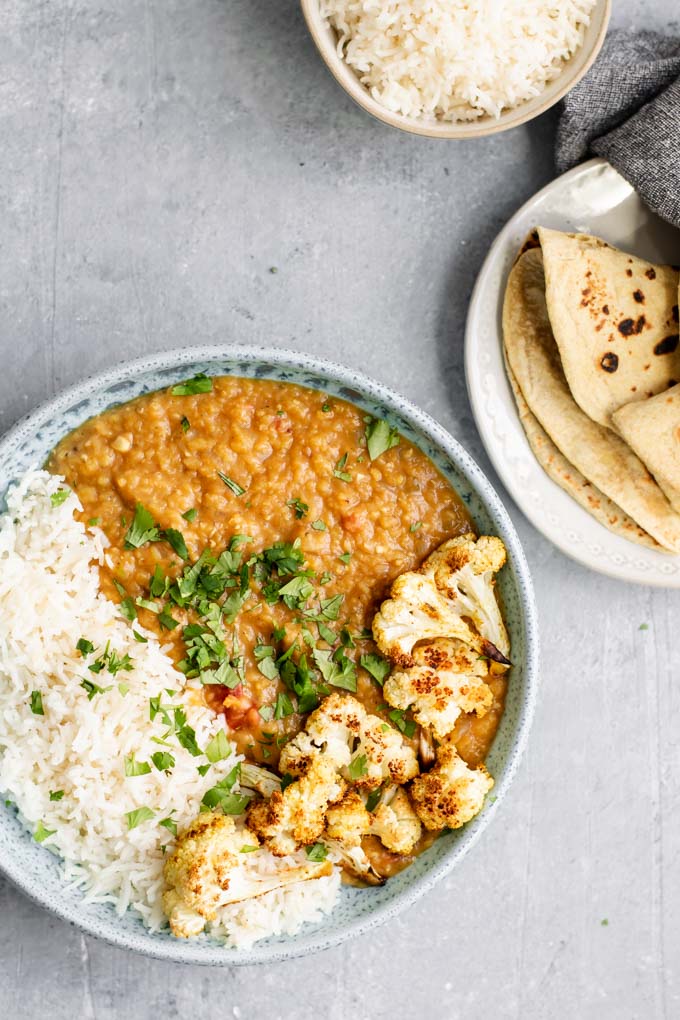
pixel 326 407
pixel 247 849
pixel 59 497
pixel 190 515
pixel 345 558
pixel 237 489
pixel 330 608
pixel 298 506
pixel 317 853
pixel 376 666
pixel 407 726
pixel 219 747
pixel 142 530
pixel 339 472
pixel 326 633
pixel 358 767
pixel 373 798
pixel 319 525
pixel 41 833
pixel 221 795
pixel 123 689
pixel 84 646
pixel 170 824
pixel 268 668
pixel 134 767
pixel 56 794
pixel 92 689
pixel 94 522
pixel 139 637
pixel 167 620
pixel 139 815
pixel 266 712
pixel 36 703
pixel 380 437
pixel 203 769
pixel 199 384
pixel 416 526
pixel 336 669
pixel 163 761
pixel 176 540
pixel 185 423
pixel 643 626
pixel 284 706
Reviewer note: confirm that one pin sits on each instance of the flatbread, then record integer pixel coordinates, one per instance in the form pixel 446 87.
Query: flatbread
pixel 576 485
pixel 652 428
pixel 615 320
pixel 602 457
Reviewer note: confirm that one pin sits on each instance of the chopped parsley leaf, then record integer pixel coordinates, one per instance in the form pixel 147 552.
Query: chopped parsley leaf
pixel 345 558
pixel 36 703
pixel 190 515
pixel 142 530
pixel 237 489
pixel 59 497
pixel 199 384
pixel 299 507
pixel 136 817
pixel 380 437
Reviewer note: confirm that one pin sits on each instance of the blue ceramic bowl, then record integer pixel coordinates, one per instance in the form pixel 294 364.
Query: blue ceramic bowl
pixel 37 872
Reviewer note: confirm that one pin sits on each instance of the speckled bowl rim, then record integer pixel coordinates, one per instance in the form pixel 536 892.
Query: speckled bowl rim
pixel 318 939
pixel 572 72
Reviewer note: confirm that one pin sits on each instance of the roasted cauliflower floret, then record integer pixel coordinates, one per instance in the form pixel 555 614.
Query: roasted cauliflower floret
pixel 396 824
pixel 295 816
pixel 254 777
pixel 451 793
pixel 363 748
pixel 416 611
pixel 448 678
pixel 208 870
pixel 394 821
pixel 464 570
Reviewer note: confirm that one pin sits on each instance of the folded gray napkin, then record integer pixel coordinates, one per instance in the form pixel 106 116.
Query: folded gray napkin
pixel 627 110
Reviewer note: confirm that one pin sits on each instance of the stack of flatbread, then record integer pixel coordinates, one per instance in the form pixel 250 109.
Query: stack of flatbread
pixel 591 347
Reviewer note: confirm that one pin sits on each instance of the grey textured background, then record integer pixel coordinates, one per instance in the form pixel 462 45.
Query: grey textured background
pixel 156 160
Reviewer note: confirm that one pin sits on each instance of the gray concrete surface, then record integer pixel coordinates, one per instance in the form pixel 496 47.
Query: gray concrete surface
pixel 157 159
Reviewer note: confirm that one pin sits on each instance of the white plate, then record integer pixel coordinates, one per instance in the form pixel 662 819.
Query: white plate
pixel 594 199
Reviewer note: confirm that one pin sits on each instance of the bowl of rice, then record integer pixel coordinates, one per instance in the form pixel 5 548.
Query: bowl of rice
pixel 457 69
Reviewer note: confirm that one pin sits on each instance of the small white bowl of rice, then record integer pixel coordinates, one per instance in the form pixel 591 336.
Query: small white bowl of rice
pixel 457 68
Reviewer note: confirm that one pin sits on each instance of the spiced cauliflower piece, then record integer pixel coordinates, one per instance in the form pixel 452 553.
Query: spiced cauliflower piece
pixel 451 793
pixel 295 817
pixel 416 611
pixel 394 821
pixel 454 584
pixel 208 869
pixel 448 678
pixel 464 570
pixel 365 749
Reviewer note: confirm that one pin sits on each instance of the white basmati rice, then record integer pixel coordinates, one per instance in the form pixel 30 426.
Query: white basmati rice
pixel 49 599
pixel 456 60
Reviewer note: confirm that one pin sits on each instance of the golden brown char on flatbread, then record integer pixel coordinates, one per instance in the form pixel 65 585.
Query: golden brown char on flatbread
pixel 615 320
pixel 599 455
